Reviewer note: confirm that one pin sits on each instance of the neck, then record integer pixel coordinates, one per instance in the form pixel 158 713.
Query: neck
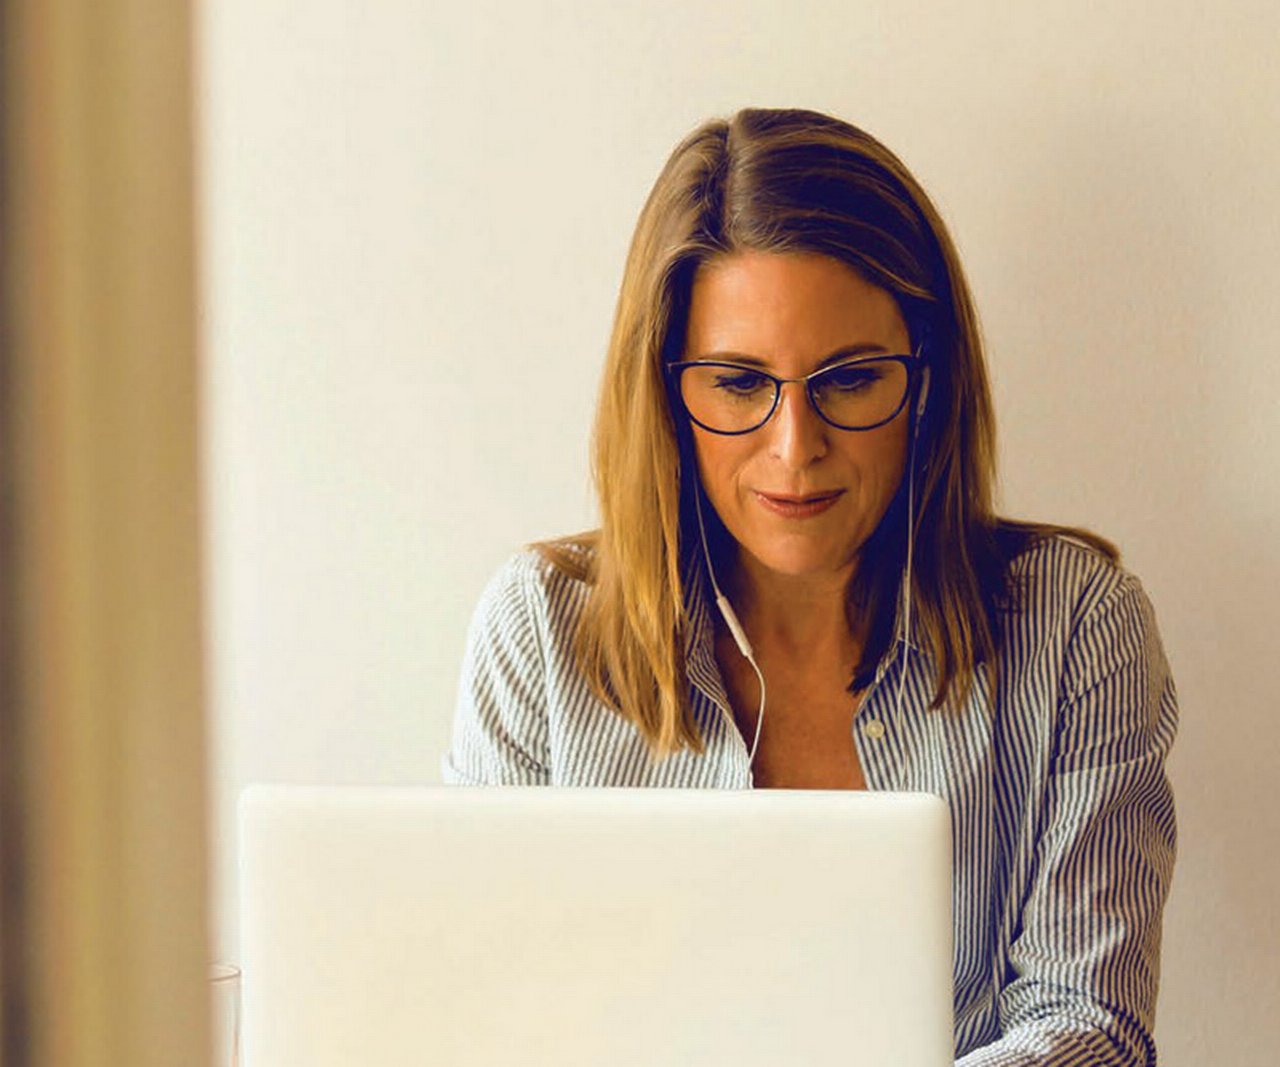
pixel 801 615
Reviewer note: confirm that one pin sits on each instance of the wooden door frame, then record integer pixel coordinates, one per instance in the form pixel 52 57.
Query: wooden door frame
pixel 102 758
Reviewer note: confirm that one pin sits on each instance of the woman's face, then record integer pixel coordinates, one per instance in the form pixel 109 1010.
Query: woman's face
pixel 790 312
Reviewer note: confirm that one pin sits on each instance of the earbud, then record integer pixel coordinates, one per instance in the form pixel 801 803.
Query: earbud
pixel 924 394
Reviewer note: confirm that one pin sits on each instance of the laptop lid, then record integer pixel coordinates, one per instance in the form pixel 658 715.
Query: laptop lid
pixel 545 926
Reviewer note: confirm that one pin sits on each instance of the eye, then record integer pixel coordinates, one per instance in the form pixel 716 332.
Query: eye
pixel 852 379
pixel 741 382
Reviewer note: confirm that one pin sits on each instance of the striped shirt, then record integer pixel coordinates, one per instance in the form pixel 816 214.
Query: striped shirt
pixel 1062 815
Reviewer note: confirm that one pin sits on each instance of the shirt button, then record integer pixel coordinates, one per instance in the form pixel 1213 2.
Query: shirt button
pixel 874 729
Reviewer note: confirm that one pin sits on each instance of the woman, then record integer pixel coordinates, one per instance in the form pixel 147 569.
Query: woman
pixel 800 581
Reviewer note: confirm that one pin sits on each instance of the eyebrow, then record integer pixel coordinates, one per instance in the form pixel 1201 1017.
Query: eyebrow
pixel 835 357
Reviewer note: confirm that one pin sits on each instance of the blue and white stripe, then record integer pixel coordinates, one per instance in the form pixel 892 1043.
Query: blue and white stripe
pixel 1063 818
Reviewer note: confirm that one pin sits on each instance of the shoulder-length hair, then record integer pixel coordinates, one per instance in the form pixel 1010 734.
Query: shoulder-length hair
pixel 787 181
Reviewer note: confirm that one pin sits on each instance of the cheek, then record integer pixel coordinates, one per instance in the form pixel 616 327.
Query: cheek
pixel 720 459
pixel 875 468
pixel 884 459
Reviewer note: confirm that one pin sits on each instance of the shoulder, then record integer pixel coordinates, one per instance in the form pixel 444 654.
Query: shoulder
pixel 540 585
pixel 1059 584
pixel 1082 638
pixel 1068 567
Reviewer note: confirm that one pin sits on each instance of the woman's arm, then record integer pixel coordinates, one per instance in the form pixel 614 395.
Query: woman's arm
pixel 500 718
pixel 1084 969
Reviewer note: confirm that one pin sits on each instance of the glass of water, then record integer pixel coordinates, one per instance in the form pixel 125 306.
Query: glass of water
pixel 224 992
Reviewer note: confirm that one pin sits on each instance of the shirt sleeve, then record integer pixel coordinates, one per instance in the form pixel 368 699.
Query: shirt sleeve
pixel 1084 968
pixel 500 717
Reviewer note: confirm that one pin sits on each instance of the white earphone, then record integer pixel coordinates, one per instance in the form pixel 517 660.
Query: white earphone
pixel 911 533
pixel 924 395
pixel 731 619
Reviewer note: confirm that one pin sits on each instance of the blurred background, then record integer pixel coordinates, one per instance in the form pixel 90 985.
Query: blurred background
pixel 412 223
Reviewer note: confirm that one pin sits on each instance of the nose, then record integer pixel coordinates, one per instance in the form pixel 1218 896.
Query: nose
pixel 798 435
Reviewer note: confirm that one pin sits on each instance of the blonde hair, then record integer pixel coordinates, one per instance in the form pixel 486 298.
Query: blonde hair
pixel 786 181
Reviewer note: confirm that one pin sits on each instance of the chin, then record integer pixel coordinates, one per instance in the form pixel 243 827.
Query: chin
pixel 799 560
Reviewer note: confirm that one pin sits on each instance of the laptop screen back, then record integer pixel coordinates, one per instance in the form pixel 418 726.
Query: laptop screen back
pixel 563 927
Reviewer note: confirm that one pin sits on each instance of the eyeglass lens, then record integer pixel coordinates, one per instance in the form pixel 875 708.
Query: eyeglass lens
pixel 736 399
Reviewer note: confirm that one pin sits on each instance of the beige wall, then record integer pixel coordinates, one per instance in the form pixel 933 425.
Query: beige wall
pixel 416 216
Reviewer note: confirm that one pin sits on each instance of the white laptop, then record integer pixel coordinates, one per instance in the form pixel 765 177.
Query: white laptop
pixel 549 927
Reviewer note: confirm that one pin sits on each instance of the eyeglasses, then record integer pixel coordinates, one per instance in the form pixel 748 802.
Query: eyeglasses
pixel 729 398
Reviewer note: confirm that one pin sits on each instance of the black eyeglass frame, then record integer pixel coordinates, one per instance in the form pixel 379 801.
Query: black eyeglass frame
pixel 912 364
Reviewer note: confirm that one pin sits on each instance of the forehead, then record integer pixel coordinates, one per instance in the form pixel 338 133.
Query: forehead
pixel 787 309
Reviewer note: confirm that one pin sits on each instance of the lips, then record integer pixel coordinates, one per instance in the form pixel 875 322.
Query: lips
pixel 790 506
pixel 812 498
